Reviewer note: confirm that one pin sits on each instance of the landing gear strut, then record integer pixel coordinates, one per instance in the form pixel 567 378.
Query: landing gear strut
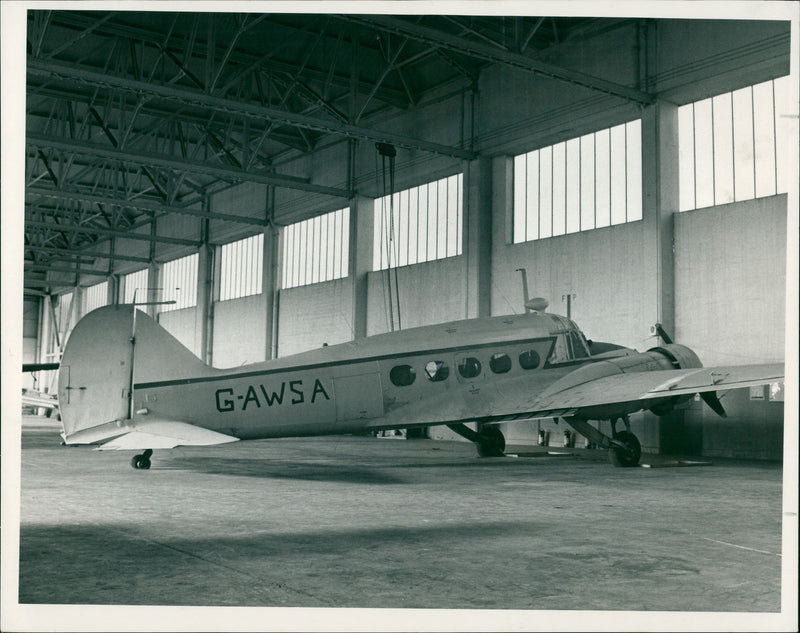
pixel 142 462
pixel 489 440
pixel 623 446
pixel 628 454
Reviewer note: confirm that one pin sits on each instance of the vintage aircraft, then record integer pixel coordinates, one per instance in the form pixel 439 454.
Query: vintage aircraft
pixel 126 381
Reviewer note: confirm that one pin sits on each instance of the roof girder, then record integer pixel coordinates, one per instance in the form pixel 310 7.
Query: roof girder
pixel 246 109
pixel 491 53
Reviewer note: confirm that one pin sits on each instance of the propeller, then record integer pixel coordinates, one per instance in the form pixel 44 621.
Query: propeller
pixel 711 399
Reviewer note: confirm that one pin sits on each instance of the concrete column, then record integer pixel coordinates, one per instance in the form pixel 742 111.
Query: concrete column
pixel 153 293
pixel 362 234
pixel 76 309
pixel 270 287
pixel 113 290
pixel 205 258
pixel 659 204
pixel 502 228
pixel 477 237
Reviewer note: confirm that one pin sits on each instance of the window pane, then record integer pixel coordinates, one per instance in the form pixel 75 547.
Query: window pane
pixel 529 359
pixel 686 157
pixel 573 186
pixel 241 264
pixel 423 223
pixel 602 182
pixel 633 131
pixel 437 370
pixel 179 283
pixel 727 150
pixel 723 149
pixel 135 286
pixel 764 139
pixel 402 375
pixel 704 154
pixel 587 168
pixel 559 189
pixel 618 175
pixel 316 250
pixel 785 125
pixel 500 363
pixel 469 367
pixel 546 192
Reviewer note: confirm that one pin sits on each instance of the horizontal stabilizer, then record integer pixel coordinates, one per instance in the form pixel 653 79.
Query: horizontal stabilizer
pixel 165 434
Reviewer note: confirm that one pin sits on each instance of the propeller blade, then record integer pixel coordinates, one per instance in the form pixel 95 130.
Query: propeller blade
pixel 711 399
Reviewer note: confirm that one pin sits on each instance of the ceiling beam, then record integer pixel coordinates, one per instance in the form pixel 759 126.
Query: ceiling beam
pixel 435 37
pixel 160 160
pixel 248 61
pixel 69 253
pixel 141 205
pixel 48 283
pixel 230 106
pixel 59 269
pixel 92 230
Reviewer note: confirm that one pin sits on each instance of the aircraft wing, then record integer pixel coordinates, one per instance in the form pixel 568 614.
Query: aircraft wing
pixel 155 433
pixel 649 385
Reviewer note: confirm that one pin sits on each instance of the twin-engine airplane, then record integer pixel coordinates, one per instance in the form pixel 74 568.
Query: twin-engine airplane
pixel 126 381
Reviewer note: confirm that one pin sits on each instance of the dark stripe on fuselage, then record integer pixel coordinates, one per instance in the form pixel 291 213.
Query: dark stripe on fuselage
pixel 355 361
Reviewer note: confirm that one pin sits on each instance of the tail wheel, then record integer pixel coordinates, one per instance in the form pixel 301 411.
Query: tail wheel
pixel 142 462
pixel 491 442
pixel 630 454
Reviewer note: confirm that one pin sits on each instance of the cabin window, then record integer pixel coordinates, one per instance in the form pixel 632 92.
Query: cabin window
pixel 402 375
pixel 469 367
pixel 437 370
pixel 529 359
pixel 500 363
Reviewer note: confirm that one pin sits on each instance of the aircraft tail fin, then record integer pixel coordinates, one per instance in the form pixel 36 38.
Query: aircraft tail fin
pixel 104 357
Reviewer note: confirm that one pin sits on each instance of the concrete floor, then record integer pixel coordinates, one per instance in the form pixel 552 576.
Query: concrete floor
pixel 367 522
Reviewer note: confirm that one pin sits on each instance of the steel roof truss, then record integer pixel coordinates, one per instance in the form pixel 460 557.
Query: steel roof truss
pixel 247 109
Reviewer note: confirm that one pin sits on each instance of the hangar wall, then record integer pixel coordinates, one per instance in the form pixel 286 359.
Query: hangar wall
pixel 311 316
pixel 240 332
pixel 730 280
pixel 431 292
pixel 182 324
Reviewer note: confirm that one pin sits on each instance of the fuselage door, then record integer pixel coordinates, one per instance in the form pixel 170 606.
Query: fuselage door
pixel 358 397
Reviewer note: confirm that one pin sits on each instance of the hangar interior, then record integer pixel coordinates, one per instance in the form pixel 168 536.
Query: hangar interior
pixel 295 180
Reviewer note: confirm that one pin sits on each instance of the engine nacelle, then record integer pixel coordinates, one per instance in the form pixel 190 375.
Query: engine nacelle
pixel 666 357
pixel 680 356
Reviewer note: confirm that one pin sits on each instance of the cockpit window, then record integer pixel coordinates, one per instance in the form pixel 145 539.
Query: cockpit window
pixel 437 370
pixel 578 346
pixel 500 363
pixel 402 375
pixel 529 359
pixel 469 367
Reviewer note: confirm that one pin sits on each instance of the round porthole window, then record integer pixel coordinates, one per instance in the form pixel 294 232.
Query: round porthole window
pixel 402 375
pixel 469 367
pixel 500 363
pixel 437 370
pixel 529 359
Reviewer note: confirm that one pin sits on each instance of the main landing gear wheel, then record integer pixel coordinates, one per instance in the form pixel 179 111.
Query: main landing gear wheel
pixel 630 454
pixel 490 442
pixel 142 462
